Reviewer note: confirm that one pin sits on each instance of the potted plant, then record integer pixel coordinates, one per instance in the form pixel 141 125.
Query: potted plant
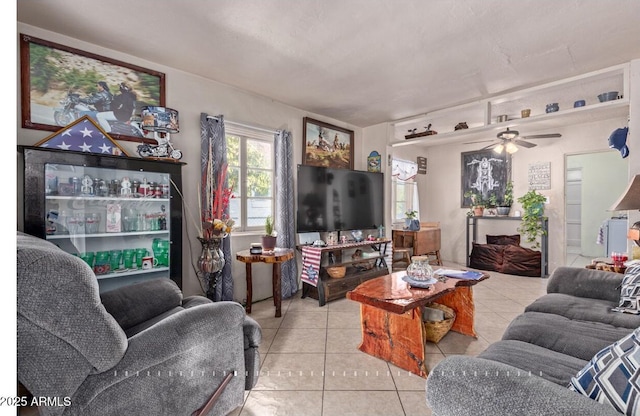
pixel 269 238
pixel 507 200
pixel 531 225
pixel 477 205
pixel 411 220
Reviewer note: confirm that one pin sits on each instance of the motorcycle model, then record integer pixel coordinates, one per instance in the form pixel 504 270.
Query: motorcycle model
pixel 72 109
pixel 163 149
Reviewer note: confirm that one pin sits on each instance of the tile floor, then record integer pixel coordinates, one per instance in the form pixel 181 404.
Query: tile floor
pixel 311 365
pixel 577 260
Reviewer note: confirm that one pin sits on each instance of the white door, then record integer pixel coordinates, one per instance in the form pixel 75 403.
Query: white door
pixel 573 198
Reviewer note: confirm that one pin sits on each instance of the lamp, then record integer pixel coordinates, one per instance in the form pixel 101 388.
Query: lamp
pixel 162 122
pixel 630 200
pixel 160 119
pixel 511 148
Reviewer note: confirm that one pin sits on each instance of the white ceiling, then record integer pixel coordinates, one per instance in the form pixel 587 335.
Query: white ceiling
pixel 360 61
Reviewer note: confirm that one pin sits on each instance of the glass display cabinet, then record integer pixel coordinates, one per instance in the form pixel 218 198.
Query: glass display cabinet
pixel 121 215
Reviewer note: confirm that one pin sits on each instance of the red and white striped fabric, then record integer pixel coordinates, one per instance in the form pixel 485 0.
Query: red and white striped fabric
pixel 311 264
pixel 312 257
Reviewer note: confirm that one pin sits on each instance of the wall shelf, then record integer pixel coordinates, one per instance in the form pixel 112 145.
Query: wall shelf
pixel 481 115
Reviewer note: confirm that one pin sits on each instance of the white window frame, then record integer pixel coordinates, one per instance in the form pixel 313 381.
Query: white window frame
pixel 247 133
pixel 395 183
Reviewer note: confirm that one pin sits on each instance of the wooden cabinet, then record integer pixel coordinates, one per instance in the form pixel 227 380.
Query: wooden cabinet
pixel 423 241
pixel 315 260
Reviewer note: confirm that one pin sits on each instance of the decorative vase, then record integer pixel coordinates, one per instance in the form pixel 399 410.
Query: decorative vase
pixel 503 211
pixel 210 263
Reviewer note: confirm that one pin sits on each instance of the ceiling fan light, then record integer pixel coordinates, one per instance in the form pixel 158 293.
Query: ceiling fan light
pixel 499 148
pixel 511 148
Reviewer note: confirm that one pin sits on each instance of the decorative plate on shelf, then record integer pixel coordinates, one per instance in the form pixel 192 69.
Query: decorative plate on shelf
pixel 423 284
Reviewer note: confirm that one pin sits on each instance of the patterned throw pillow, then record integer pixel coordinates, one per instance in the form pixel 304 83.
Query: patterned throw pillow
pixel 630 292
pixel 611 377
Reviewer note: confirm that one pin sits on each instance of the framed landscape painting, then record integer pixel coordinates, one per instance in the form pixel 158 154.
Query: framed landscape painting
pixel 60 84
pixel 326 145
pixel 485 173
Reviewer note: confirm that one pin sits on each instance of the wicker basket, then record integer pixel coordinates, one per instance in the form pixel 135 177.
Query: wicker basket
pixel 434 331
pixel 337 272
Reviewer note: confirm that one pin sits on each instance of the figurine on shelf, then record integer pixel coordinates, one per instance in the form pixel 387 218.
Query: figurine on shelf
pixel 125 187
pixel 428 130
pixel 87 185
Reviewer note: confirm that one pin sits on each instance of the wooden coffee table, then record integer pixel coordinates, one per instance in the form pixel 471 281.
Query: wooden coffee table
pixel 391 316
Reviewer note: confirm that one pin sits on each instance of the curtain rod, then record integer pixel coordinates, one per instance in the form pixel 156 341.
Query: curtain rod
pixel 245 125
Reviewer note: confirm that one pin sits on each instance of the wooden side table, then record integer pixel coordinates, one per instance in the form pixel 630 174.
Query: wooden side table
pixel 276 258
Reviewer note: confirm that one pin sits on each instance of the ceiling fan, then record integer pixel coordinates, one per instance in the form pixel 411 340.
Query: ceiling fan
pixel 509 140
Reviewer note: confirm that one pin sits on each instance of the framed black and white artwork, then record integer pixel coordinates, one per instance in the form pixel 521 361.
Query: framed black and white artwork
pixel 484 173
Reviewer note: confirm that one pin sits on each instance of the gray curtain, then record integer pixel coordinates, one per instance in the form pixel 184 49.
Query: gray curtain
pixel 212 137
pixel 285 209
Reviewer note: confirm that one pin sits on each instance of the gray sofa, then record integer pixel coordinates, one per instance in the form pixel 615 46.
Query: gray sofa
pixel 141 349
pixel 528 371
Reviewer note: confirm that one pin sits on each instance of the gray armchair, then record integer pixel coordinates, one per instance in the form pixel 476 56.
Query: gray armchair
pixel 141 349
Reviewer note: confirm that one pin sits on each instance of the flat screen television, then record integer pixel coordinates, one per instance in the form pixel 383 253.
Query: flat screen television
pixel 339 199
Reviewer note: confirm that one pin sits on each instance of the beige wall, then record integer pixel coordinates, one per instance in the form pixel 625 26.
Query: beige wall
pixel 192 95
pixel 440 189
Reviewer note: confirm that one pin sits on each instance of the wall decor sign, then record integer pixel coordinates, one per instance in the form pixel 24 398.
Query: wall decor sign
pixel 374 162
pixel 422 165
pixel 59 84
pixel 484 173
pixel 540 175
pixel 326 145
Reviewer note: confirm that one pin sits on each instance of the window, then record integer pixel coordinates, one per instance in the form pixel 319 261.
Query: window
pixel 404 189
pixel 405 198
pixel 250 158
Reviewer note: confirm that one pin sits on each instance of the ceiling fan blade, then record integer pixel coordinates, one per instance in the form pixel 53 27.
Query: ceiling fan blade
pixel 481 141
pixel 523 143
pixel 542 136
pixel 490 146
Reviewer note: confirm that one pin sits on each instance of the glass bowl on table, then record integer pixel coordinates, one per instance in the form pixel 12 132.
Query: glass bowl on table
pixel 420 273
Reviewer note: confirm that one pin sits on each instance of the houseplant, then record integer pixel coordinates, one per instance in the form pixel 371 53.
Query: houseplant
pixel 477 205
pixel 269 238
pixel 411 220
pixel 531 225
pixel 507 200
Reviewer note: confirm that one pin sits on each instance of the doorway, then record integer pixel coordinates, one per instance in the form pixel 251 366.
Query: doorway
pixel 593 182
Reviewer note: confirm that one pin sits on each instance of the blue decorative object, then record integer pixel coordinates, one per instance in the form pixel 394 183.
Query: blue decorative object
pixel 552 108
pixel 608 96
pixel 423 284
pixel 413 225
pixel 618 141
